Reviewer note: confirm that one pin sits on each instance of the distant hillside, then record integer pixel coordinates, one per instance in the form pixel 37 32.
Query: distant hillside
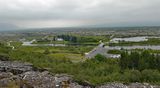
pixel 7 26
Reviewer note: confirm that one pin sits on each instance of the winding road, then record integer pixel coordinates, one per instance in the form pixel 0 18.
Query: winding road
pixel 102 49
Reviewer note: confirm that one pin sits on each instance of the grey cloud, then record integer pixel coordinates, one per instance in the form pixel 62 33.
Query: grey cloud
pixel 43 13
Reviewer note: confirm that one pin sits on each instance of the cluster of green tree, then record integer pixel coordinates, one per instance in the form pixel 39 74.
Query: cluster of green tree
pixel 46 40
pixel 151 41
pixel 82 39
pixel 70 38
pixel 73 39
pixel 139 61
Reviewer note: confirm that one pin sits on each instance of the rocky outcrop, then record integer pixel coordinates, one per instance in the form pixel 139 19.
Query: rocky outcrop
pixel 34 79
pixel 23 75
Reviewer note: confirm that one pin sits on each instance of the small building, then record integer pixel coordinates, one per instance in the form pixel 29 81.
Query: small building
pixel 115 56
pixel 59 39
pixel 22 40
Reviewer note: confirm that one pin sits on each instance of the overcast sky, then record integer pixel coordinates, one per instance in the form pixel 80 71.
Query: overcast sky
pixel 72 13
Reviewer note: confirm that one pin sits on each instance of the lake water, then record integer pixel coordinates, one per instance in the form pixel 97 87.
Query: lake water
pixel 134 39
pixel 30 44
pixel 154 47
pixel 130 39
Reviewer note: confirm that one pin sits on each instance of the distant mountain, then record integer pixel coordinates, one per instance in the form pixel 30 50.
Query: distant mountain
pixel 7 26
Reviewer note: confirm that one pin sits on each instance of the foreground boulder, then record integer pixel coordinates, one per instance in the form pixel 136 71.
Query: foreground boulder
pixel 113 85
pixel 141 85
pixel 39 79
pixel 5 75
pixel 15 67
pixel 4 58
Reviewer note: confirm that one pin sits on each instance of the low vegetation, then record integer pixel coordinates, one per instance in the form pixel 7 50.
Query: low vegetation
pixel 114 52
pixel 131 67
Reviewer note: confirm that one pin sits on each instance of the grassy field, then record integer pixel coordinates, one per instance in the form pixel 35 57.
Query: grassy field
pixel 68 49
pixel 69 56
pixel 73 53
